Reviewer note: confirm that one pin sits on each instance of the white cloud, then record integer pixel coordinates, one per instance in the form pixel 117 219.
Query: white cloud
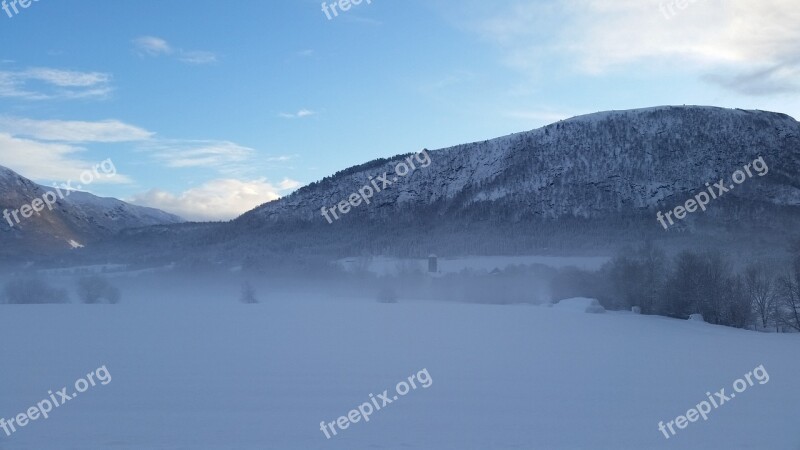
pixel 155 46
pixel 47 84
pixel 298 115
pixel 67 78
pixel 73 131
pixel 152 46
pixel 751 47
pixel 226 157
pixel 198 57
pixel 221 199
pixel 281 158
pixel 47 161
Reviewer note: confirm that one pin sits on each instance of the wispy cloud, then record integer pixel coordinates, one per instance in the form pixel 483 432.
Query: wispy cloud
pixel 48 150
pixel 73 131
pixel 223 156
pixel 43 83
pixel 282 158
pixel 152 46
pixel 298 115
pixel 221 199
pixel 48 161
pixel 198 57
pixel 757 56
pixel 781 78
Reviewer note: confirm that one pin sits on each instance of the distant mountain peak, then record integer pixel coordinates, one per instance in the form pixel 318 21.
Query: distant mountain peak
pixel 75 220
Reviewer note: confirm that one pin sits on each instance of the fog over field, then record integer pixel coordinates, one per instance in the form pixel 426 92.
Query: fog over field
pixel 433 225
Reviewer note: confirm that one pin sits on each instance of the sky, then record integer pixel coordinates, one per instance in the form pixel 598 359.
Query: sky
pixel 209 108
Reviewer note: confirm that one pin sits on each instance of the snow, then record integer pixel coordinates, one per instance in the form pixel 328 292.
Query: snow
pixel 221 375
pixel 591 166
pixel 92 205
pixel 74 244
pixel 580 304
pixel 604 115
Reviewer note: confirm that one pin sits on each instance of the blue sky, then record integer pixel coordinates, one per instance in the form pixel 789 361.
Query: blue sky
pixel 209 108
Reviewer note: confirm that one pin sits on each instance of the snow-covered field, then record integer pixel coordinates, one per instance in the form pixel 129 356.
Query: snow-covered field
pixel 229 376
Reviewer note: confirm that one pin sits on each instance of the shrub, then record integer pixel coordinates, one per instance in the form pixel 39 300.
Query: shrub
pixel 33 291
pixel 96 289
pixel 387 295
pixel 248 294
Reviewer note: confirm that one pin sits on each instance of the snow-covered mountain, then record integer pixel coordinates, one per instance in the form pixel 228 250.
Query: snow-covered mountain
pixel 594 178
pixel 585 167
pixel 584 185
pixel 75 220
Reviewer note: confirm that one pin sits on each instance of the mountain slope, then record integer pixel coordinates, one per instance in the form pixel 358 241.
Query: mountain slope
pixel 586 185
pixel 587 180
pixel 75 220
pixel 585 167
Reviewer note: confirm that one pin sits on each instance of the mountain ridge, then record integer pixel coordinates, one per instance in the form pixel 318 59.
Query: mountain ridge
pixel 495 151
pixel 75 220
pixel 585 185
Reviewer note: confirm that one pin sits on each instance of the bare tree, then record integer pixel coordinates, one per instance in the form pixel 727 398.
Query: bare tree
pixel 715 287
pixel 637 277
pixel 33 291
pixel 738 311
pixel 96 289
pixel 760 289
pixel 789 314
pixel 248 294
pixel 682 295
pixel 706 284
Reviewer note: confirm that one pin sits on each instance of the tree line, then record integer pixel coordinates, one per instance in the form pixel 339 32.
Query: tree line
pixel 757 295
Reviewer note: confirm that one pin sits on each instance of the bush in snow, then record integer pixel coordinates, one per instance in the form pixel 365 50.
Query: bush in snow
pixel 696 318
pixel 387 295
pixel 96 289
pixel 636 310
pixel 248 294
pixel 33 291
